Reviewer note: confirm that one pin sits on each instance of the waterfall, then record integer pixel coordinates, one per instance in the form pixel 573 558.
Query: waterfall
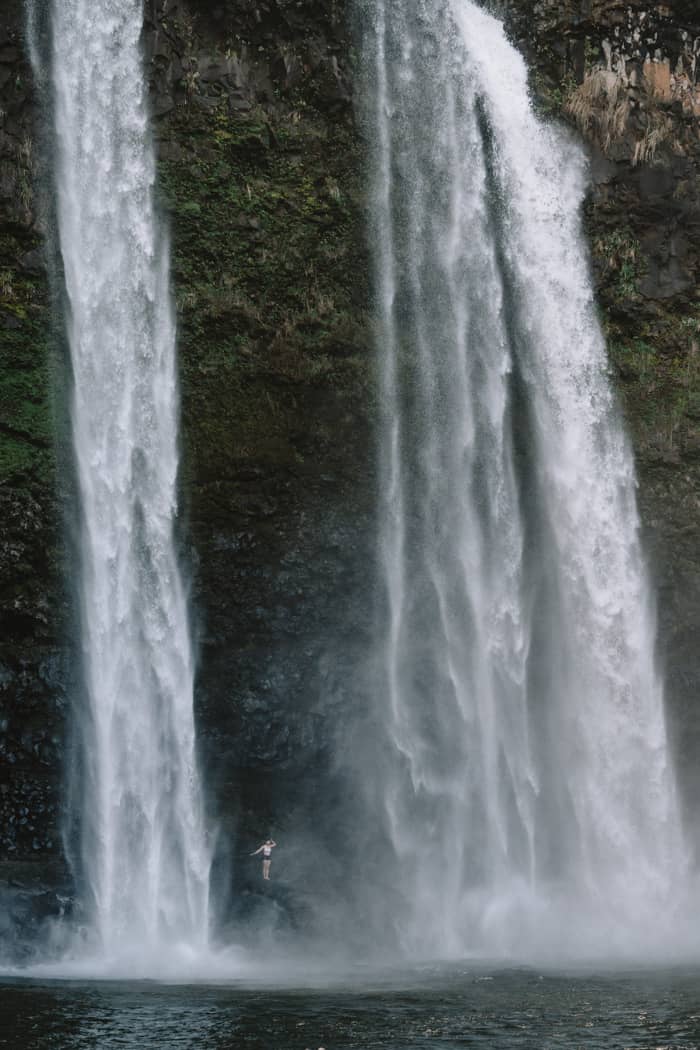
pixel 143 855
pixel 522 775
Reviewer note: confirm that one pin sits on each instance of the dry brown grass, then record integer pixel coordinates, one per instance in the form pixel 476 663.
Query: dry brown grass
pixel 602 107
pixel 7 291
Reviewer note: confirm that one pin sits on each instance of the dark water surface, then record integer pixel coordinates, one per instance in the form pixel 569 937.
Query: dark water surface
pixel 429 1010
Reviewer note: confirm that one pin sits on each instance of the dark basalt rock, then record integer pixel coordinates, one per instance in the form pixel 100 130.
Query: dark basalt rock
pixel 32 910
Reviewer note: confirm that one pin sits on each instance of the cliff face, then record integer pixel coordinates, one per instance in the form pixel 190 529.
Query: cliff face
pixel 261 172
pixel 33 664
pixel 261 177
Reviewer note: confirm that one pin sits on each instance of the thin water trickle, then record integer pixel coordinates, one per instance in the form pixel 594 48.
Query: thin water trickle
pixel 524 780
pixel 143 857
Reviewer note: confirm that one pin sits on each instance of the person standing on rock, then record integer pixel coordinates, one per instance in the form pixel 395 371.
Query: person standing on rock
pixel 266 850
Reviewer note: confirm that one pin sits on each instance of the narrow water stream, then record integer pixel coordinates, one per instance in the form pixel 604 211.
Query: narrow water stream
pixel 141 857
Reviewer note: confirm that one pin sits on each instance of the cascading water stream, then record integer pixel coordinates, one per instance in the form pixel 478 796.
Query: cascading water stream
pixel 143 859
pixel 524 780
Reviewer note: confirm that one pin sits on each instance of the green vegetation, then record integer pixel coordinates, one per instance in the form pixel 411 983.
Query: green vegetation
pixel 635 360
pixel 550 97
pixel 620 253
pixel 25 401
pixel 660 384
pixel 269 277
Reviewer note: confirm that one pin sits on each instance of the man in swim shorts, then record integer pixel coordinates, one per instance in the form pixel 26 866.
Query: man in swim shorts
pixel 266 850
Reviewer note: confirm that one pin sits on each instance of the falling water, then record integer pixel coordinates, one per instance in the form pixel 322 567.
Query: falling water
pixel 143 855
pixel 524 777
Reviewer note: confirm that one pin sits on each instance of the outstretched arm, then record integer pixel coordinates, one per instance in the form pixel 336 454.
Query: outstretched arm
pixel 258 850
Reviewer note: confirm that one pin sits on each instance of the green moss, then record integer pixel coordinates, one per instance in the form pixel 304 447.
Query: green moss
pixel 270 281
pixel 25 398
pixel 659 375
pixel 188 208
pixel 636 359
pixel 549 95
pixel 622 261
